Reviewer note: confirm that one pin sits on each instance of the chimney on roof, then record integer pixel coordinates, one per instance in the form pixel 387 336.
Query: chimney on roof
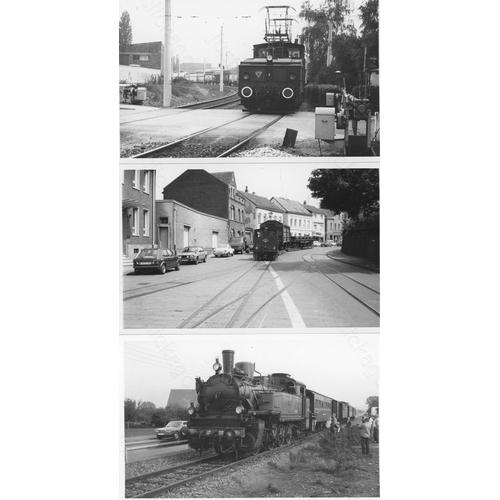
pixel 305 202
pixel 253 192
pixel 246 189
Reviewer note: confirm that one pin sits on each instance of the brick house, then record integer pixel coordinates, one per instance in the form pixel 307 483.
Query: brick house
pixel 146 55
pixel 138 210
pixel 333 225
pixel 210 194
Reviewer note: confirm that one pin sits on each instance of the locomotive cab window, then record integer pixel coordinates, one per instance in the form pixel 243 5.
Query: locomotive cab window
pixel 294 53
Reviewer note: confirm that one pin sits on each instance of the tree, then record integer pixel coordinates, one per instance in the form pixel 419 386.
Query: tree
pixel 145 410
pixel 130 409
pixel 354 191
pixel 346 46
pixel 125 29
pixel 176 412
pixel 369 26
pixel 372 402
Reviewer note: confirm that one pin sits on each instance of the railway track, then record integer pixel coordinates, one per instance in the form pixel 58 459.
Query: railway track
pixel 204 144
pixel 343 284
pixel 158 482
pixel 248 297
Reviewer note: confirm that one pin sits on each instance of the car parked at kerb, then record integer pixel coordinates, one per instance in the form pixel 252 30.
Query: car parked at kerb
pixel 156 259
pixel 177 429
pixel 224 250
pixel 193 255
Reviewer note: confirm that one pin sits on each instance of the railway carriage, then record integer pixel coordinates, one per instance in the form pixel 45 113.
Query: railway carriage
pixel 274 78
pixel 270 240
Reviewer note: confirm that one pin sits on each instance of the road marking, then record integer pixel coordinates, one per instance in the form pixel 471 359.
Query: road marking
pixel 293 312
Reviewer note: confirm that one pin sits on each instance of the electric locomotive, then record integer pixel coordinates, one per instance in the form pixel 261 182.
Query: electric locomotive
pixel 274 79
pixel 270 240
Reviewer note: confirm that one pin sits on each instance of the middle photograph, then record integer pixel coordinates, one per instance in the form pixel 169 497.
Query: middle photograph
pixel 249 246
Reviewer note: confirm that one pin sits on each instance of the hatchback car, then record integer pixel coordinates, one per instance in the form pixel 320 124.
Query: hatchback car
pixel 156 259
pixel 177 429
pixel 224 250
pixel 193 255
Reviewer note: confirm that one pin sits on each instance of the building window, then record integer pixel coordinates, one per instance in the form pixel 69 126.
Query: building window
pixel 135 222
pixel 146 222
pixel 146 181
pixel 137 179
pixel 232 232
pixel 232 212
pixel 265 217
pixel 163 220
pixel 258 217
pixel 300 222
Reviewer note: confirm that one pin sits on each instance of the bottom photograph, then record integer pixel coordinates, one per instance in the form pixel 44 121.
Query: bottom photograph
pixel 233 416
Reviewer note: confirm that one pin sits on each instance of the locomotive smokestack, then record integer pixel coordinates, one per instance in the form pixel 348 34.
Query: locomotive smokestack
pixel 228 361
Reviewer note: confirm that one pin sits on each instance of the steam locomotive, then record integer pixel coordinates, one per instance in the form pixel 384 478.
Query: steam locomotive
pixel 240 412
pixel 270 240
pixel 274 79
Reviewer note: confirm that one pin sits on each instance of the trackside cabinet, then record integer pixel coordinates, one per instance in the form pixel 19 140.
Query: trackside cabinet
pixel 325 124
pixel 330 99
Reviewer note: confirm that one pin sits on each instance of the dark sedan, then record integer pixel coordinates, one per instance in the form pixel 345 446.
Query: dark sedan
pixel 156 259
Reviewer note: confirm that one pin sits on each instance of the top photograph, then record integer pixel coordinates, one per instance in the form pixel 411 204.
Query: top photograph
pixel 222 79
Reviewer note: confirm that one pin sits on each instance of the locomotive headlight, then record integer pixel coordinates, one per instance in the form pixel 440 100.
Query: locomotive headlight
pixel 246 92
pixel 246 76
pixel 239 409
pixel 287 93
pixel 269 57
pixel 191 410
pixel 292 76
pixel 217 366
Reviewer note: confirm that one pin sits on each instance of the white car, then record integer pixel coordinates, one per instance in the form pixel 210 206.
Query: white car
pixel 224 250
pixel 176 429
pixel 316 243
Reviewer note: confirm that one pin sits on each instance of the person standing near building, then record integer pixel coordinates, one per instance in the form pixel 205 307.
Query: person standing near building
pixel 365 432
pixel 335 423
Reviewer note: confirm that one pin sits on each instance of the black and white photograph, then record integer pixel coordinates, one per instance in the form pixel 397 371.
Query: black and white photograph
pixel 251 416
pixel 250 246
pixel 236 79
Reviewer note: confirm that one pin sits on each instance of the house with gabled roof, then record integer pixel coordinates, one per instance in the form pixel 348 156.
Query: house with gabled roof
pixel 257 210
pixel 296 216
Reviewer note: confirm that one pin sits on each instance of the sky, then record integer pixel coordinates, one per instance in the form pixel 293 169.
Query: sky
pixel 344 366
pixel 196 26
pixel 279 180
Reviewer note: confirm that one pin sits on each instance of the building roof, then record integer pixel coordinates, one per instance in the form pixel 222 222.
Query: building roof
pixel 291 206
pixel 182 397
pixel 225 177
pixel 261 202
pixel 314 210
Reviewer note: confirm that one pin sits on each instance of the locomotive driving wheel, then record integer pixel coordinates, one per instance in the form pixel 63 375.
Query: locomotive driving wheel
pixel 281 435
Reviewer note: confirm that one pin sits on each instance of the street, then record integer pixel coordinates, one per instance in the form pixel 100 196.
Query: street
pixel 314 288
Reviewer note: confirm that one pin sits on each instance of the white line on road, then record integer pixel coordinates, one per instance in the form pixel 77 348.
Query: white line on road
pixel 293 312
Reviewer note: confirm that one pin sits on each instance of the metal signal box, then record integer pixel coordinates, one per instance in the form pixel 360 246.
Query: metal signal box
pixel 330 99
pixel 325 124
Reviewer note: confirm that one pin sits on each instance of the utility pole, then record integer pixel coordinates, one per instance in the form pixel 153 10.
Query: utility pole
pixel 167 62
pixel 221 84
pixel 329 53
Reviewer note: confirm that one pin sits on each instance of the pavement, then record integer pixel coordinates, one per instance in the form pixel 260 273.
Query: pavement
pixel 369 265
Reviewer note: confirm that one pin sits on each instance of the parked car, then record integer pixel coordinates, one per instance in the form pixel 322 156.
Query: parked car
pixel 193 255
pixel 156 259
pixel 224 250
pixel 339 243
pixel 316 243
pixel 327 244
pixel 239 244
pixel 177 429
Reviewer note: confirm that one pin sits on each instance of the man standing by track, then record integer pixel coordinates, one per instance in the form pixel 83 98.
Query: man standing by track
pixel 365 433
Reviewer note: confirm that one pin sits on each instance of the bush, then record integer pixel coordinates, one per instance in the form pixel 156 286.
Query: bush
pixel 316 93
